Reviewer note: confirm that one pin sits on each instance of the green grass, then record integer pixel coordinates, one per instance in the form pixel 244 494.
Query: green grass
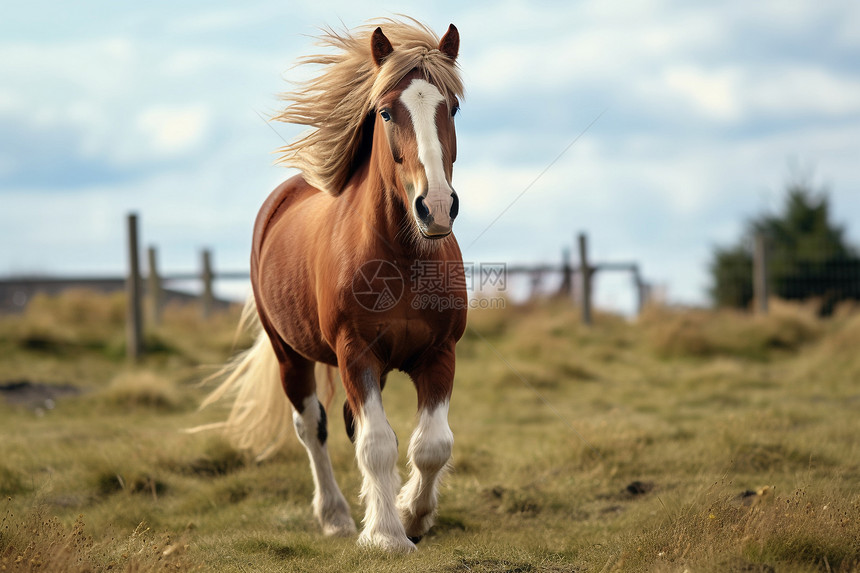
pixel 740 431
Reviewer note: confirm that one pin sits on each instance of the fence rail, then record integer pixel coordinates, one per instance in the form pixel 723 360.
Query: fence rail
pixel 576 284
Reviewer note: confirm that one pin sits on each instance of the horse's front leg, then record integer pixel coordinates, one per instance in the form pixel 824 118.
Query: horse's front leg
pixel 376 453
pixel 431 444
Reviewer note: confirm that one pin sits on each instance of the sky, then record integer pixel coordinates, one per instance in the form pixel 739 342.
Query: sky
pixel 656 127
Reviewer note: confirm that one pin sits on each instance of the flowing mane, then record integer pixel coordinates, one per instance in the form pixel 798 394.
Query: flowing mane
pixel 336 103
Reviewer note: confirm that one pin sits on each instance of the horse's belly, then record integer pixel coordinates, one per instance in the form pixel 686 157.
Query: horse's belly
pixel 298 330
pixel 286 294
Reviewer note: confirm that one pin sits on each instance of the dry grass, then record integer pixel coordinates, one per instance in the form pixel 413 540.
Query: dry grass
pixel 79 318
pixel 753 532
pixel 701 333
pixel 41 544
pixel 628 446
pixel 132 390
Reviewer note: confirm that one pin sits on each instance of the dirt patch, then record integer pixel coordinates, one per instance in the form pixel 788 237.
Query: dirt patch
pixel 35 395
pixel 639 487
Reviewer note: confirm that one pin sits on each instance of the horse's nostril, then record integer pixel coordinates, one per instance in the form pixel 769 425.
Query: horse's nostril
pixel 421 209
pixel 455 206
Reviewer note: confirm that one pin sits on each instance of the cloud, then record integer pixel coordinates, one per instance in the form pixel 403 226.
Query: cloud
pixel 787 91
pixel 713 94
pixel 801 90
pixel 719 65
pixel 172 130
pixel 216 20
pixel 76 113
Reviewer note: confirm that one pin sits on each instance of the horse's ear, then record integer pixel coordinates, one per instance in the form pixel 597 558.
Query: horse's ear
pixel 380 47
pixel 450 43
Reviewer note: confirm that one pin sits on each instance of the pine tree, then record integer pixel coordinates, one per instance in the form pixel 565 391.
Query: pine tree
pixel 808 255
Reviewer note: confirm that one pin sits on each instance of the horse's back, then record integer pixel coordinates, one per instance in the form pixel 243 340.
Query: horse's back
pixel 293 190
pixel 284 287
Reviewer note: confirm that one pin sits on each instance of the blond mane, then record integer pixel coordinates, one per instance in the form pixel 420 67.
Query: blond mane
pixel 336 103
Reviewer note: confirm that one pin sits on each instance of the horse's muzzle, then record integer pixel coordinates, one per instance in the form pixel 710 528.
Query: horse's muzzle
pixel 436 218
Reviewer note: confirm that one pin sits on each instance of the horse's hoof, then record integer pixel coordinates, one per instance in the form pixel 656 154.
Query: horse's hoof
pixel 387 542
pixel 343 529
pixel 415 540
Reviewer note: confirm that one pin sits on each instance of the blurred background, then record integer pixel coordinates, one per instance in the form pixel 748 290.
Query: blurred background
pixel 706 114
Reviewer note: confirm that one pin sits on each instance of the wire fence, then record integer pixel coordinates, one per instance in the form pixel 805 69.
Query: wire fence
pixel 813 270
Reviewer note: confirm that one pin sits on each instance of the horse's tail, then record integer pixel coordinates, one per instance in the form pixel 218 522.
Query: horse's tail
pixel 259 420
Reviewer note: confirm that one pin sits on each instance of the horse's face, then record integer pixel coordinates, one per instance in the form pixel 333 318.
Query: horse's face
pixel 418 123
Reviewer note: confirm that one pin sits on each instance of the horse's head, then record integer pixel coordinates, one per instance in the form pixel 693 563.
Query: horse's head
pixel 416 120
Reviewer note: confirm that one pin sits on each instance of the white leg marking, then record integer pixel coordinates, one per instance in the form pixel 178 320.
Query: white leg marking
pixel 329 505
pixel 429 452
pixel 422 99
pixel 376 452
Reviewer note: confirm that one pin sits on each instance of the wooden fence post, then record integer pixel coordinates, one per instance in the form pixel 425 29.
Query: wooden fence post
pixel 153 288
pixel 585 278
pixel 134 318
pixel 208 297
pixel 760 264
pixel 536 279
pixel 566 289
pixel 640 290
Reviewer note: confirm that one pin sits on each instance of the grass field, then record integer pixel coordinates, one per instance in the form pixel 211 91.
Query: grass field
pixel 684 441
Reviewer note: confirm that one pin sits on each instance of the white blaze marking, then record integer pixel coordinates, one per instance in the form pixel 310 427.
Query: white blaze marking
pixel 422 99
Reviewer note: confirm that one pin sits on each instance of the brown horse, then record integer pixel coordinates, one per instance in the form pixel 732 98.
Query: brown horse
pixel 333 267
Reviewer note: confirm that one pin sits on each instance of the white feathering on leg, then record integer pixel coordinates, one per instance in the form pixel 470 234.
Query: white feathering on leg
pixel 376 452
pixel 330 507
pixel 429 451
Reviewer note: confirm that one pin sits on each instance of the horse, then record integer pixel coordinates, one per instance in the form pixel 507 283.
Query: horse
pixel 335 254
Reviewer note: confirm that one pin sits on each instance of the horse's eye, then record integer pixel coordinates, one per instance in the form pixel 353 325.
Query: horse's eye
pixel 385 115
pixel 454 110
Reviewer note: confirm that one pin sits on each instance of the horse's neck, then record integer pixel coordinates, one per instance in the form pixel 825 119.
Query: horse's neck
pixel 378 209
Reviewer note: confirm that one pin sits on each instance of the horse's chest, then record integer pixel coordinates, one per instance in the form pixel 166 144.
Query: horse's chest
pixel 398 339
